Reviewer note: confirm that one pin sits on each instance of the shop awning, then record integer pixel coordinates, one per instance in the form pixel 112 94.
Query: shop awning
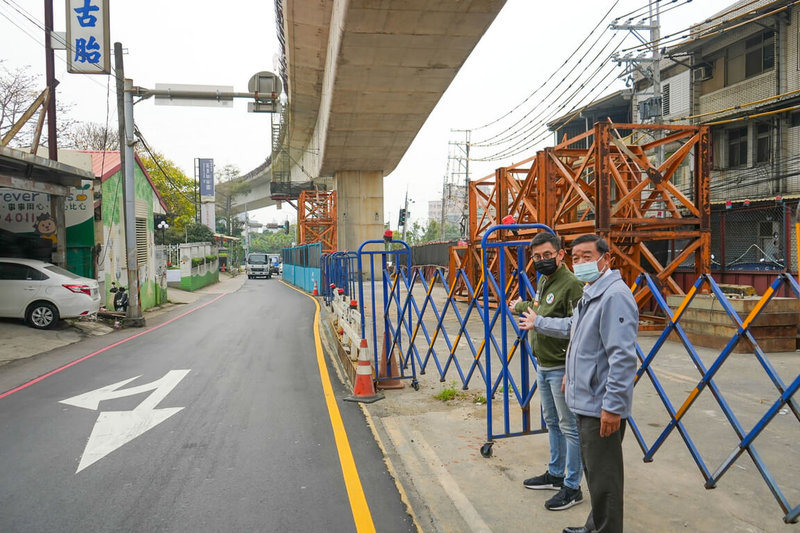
pixel 21 170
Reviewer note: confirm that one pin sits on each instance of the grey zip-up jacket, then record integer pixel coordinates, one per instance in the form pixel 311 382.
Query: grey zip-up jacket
pixel 601 357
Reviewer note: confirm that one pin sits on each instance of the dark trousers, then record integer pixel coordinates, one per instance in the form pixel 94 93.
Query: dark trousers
pixel 602 462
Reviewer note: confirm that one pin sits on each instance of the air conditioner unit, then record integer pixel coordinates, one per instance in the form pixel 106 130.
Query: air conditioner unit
pixel 701 73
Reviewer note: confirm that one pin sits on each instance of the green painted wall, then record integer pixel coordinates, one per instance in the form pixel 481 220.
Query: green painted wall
pixel 150 292
pixel 196 281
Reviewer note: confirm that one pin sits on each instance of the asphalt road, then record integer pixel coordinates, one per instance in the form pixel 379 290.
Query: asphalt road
pixel 216 421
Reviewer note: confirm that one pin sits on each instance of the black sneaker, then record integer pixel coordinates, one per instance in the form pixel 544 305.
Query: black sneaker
pixel 565 499
pixel 546 481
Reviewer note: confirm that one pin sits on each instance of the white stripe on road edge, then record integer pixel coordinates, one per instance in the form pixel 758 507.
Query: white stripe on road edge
pixel 433 464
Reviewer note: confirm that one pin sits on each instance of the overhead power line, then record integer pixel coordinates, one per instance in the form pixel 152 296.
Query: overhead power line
pixel 554 74
pixel 174 185
pixel 500 139
pixel 713 30
pixel 527 130
pixel 535 138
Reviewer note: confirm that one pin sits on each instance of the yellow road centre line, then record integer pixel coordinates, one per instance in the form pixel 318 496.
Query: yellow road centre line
pixel 355 492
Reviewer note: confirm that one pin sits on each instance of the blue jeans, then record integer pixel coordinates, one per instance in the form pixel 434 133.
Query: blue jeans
pixel 562 426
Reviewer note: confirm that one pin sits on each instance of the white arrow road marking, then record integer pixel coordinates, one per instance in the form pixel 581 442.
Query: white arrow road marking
pixel 115 428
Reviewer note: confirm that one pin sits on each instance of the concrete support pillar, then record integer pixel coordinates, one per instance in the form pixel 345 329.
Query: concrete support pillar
pixel 360 207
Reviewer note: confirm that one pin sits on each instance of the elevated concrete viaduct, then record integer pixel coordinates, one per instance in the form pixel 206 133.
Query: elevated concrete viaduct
pixel 363 76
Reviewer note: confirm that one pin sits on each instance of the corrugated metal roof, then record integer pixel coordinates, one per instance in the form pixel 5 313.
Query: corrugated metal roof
pixel 104 164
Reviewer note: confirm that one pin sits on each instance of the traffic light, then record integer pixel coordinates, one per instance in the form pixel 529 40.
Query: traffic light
pixel 286 227
pixel 402 220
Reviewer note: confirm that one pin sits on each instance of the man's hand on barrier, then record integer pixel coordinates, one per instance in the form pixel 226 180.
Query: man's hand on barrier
pixel 513 303
pixel 527 319
pixel 609 423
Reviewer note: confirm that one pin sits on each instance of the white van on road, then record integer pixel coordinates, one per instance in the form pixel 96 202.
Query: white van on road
pixel 257 266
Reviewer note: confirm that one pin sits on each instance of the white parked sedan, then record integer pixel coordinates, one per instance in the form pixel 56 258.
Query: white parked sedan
pixel 43 293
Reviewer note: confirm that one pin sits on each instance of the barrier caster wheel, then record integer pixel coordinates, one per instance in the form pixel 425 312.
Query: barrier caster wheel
pixel 415 384
pixel 486 449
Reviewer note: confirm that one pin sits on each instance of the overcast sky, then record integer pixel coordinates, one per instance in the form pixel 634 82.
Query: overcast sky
pixel 208 42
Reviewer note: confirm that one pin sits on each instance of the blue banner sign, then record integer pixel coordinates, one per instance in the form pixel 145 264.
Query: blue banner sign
pixel 206 174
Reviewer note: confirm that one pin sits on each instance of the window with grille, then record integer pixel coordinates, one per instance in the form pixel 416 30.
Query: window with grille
pixel 141 241
pixel 665 99
pixel 737 147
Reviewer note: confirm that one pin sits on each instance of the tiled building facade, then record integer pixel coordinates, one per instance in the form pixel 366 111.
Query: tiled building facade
pixel 742 78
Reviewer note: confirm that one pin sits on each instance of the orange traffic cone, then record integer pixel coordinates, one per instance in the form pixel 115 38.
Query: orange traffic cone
pixel 315 292
pixel 364 388
pixel 388 384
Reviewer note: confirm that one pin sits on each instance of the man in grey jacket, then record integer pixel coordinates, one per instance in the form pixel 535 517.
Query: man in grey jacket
pixel 600 372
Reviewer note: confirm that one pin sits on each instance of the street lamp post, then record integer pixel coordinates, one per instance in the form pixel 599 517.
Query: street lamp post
pixel 405 211
pixel 163 226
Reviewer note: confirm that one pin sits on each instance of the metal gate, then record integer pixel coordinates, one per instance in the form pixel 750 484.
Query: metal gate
pixel 390 266
pixel 496 289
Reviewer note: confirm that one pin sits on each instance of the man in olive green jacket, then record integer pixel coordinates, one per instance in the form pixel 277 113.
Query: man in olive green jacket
pixel 558 291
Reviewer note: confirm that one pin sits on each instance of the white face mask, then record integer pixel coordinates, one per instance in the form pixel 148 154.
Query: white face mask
pixel 587 272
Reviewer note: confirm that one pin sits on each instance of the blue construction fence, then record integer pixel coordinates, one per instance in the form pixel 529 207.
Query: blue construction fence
pixel 339 275
pixel 301 265
pixel 417 325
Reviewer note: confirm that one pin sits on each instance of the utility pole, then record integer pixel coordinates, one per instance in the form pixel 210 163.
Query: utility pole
pixel 649 67
pixel 458 174
pixel 465 208
pixel 52 82
pixel 405 220
pixel 246 229
pixel 444 204
pixel 57 202
pixel 135 317
pixel 125 113
pixel 196 191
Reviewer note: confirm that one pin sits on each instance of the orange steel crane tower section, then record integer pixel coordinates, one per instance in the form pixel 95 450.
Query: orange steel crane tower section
pixel 317 219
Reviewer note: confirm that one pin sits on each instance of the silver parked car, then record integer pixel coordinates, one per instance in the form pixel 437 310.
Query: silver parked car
pixel 42 293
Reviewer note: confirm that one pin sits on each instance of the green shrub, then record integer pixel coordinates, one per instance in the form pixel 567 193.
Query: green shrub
pixel 197 261
pixel 211 258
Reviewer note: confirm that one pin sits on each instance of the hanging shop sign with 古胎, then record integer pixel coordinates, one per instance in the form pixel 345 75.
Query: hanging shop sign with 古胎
pixel 88 47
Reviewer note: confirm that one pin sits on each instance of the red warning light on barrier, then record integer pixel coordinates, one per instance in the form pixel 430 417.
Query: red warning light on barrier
pixel 508 220
pixel 353 304
pixel 340 291
pixel 387 235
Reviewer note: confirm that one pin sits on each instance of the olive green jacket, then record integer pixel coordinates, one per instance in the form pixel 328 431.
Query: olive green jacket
pixel 556 296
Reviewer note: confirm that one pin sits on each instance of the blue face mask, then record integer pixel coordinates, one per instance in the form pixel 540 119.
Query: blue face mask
pixel 586 272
